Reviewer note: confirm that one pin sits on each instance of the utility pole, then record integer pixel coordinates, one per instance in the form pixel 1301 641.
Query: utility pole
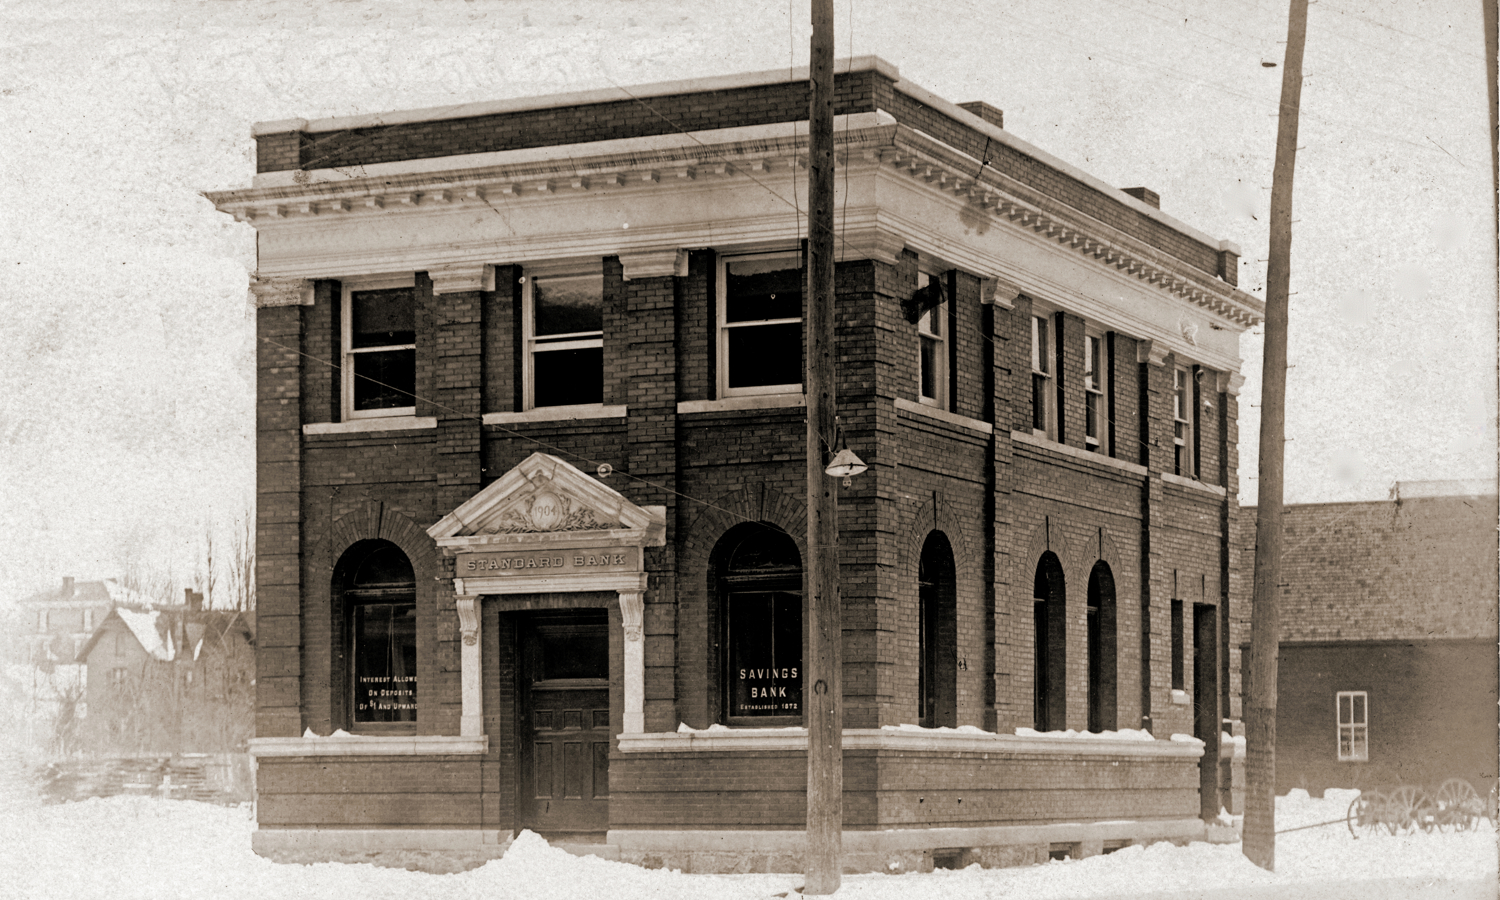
pixel 824 703
pixel 1259 837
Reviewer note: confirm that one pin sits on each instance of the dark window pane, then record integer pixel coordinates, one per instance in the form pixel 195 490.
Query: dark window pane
pixel 385 662
pixel 765 653
pixel 568 377
pixel 580 653
pixel 763 289
pixel 1039 402
pixel 385 379
pixel 930 368
pixel 761 355
pixel 382 318
pixel 569 305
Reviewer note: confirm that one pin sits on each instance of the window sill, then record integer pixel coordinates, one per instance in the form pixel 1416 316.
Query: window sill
pixel 370 745
pixel 385 423
pixel 757 401
pixel 1214 489
pixel 722 739
pixel 1180 698
pixel 942 415
pixel 1048 444
pixel 556 414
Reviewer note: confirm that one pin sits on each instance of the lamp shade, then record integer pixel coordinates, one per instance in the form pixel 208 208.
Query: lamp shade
pixel 845 464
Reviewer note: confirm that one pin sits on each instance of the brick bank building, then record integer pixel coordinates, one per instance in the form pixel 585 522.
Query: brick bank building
pixel 531 480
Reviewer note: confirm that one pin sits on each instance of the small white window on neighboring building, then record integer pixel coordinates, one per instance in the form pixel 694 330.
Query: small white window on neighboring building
pixel 563 324
pixel 43 619
pixel 1043 388
pixel 1354 725
pixel 1183 398
pixel 933 363
pixel 760 324
pixel 379 340
pixel 1096 402
pixel 116 677
pixel 88 620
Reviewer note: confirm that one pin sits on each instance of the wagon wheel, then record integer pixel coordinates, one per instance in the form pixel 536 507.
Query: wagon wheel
pixel 1457 805
pixel 1408 809
pixel 1365 812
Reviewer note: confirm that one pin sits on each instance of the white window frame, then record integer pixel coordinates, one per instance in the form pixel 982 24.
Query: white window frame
pixel 346 342
pixel 1095 394
pixel 88 620
pixel 1044 365
pixel 580 340
pixel 932 328
pixel 1358 732
pixel 1184 396
pixel 722 326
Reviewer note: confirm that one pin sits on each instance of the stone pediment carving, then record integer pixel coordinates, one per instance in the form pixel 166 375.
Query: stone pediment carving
pixel 542 496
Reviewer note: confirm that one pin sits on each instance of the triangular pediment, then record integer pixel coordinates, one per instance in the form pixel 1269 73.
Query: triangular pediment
pixel 545 495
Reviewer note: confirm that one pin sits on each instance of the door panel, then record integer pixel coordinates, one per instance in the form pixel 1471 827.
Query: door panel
pixel 564 771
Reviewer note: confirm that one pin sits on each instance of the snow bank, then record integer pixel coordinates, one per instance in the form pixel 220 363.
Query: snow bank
pixel 1124 734
pixel 137 848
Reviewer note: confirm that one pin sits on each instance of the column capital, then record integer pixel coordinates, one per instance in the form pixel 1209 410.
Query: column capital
pixel 654 263
pixel 468 618
pixel 1148 351
pixel 1230 383
pixel 461 278
pixel 281 291
pixel 995 291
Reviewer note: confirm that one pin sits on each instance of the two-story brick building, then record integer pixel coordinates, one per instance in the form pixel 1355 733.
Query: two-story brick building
pixel 531 479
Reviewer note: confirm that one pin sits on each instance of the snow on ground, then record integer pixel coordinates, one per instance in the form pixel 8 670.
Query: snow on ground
pixel 134 847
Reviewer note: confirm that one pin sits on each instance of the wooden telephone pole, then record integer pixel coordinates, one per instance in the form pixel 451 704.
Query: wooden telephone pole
pixel 1259 837
pixel 824 703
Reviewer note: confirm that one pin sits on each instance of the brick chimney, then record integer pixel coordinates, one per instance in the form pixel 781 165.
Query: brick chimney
pixel 1145 195
pixel 192 599
pixel 67 585
pixel 990 114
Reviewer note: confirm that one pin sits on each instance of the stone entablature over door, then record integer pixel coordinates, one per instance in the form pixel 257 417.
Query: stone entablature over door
pixel 546 527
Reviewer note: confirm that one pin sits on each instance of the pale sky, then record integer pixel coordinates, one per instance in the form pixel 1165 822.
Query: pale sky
pixel 126 406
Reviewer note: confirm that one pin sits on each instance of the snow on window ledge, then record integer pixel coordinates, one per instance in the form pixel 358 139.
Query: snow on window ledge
pixel 342 743
pixel 914 738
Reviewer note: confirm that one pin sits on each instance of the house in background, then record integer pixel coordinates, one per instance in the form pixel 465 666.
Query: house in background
pixel 1388 660
pixel 169 679
pixel 58 622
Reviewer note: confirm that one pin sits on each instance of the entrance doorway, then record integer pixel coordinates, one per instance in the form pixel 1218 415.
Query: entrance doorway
pixel 563 769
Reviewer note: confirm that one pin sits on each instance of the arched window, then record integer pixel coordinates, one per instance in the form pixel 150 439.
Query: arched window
pixel 937 635
pixel 375 593
pixel 1049 668
pixel 1102 648
pixel 759 573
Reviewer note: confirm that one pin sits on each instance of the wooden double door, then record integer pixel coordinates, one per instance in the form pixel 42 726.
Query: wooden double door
pixel 563 750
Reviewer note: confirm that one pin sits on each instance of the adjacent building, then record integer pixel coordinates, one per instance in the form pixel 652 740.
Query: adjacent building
pixel 531 473
pixel 58 622
pixel 1388 664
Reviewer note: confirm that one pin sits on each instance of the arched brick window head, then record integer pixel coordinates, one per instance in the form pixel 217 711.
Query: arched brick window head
pixel 1049 667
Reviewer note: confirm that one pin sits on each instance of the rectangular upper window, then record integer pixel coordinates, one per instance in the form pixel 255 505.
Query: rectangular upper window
pixel 1043 387
pixel 563 327
pixel 760 324
pixel 1184 397
pixel 1354 725
pixel 1096 401
pixel 379 343
pixel 932 364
